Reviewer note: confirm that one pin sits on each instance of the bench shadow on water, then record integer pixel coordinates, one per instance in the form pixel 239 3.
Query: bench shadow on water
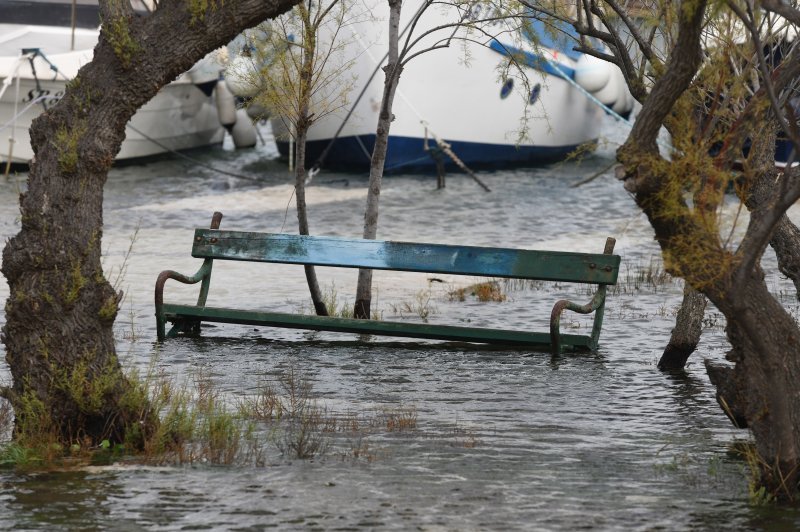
pixel 503 439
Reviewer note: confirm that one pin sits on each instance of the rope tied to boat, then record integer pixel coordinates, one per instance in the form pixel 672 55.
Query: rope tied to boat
pixel 447 150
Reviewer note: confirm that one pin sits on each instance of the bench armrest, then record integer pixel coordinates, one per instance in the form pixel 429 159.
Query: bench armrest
pixel 203 274
pixel 597 305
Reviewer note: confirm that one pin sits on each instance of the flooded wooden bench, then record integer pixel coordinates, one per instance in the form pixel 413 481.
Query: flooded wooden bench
pixel 214 245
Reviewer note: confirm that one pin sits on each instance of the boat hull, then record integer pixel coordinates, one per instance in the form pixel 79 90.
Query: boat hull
pixel 408 153
pixel 179 117
pixel 489 119
pixel 182 115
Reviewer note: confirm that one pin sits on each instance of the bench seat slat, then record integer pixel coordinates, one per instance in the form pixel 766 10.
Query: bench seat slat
pixel 378 327
pixel 404 256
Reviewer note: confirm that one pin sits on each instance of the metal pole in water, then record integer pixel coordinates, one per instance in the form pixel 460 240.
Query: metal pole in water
pixel 74 9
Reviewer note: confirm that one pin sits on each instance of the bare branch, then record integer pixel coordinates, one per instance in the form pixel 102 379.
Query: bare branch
pixel 785 10
pixel 681 68
pixel 748 20
pixel 644 45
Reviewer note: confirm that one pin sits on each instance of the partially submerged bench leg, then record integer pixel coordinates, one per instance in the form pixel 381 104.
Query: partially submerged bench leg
pixel 596 305
pixel 203 275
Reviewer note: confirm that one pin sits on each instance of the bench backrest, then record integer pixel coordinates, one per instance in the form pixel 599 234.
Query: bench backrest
pixel 406 256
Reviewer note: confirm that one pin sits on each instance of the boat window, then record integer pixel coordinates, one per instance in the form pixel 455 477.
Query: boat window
pixel 535 93
pixel 507 87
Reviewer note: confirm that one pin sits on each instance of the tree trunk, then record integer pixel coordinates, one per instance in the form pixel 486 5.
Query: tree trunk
pixel 301 134
pixel 760 391
pixel 785 242
pixel 785 239
pixel 67 380
pixel 686 334
pixel 393 69
pixel 302 125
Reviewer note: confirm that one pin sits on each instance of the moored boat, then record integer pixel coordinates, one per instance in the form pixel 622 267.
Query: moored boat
pixel 40 51
pixel 540 113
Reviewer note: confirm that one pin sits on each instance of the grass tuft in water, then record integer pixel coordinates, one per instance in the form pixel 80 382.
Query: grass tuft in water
pixel 343 309
pixel 200 425
pixel 422 306
pixel 757 493
pixel 485 292
pixel 301 428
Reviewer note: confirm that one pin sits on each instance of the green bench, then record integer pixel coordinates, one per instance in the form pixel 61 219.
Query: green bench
pixel 214 245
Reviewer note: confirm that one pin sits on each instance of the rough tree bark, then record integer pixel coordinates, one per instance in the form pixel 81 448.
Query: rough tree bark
pixel 59 316
pixel 785 242
pixel 393 69
pixel 760 390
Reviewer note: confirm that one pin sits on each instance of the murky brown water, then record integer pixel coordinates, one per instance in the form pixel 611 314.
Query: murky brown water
pixel 504 440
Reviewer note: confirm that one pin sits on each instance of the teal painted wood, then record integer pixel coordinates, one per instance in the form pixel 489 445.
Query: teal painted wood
pixel 376 327
pixel 406 256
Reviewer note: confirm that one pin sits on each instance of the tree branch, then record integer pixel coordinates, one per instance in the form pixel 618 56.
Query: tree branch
pixel 644 46
pixel 748 20
pixel 782 9
pixel 681 68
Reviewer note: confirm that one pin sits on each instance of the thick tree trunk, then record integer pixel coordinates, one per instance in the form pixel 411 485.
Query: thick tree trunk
pixel 785 239
pixel 760 391
pixel 58 333
pixel 686 334
pixel 785 242
pixel 393 70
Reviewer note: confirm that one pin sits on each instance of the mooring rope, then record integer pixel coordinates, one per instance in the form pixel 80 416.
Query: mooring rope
pixel 25 110
pixel 6 83
pixel 447 149
pixel 193 160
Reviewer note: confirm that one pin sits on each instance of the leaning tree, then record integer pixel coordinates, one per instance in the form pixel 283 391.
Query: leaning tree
pixel 715 77
pixel 58 335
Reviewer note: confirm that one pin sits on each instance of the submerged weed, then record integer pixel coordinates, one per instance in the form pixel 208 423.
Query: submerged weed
pixel 421 306
pixel 198 424
pixel 331 300
pixel 400 419
pixel 755 467
pixel 487 291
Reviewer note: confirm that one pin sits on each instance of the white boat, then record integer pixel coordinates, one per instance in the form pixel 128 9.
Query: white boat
pixel 40 52
pixel 460 95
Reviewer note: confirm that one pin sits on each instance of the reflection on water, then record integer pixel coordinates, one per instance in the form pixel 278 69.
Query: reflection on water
pixel 505 439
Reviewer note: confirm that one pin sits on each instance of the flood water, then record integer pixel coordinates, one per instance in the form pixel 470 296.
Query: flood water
pixel 504 439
